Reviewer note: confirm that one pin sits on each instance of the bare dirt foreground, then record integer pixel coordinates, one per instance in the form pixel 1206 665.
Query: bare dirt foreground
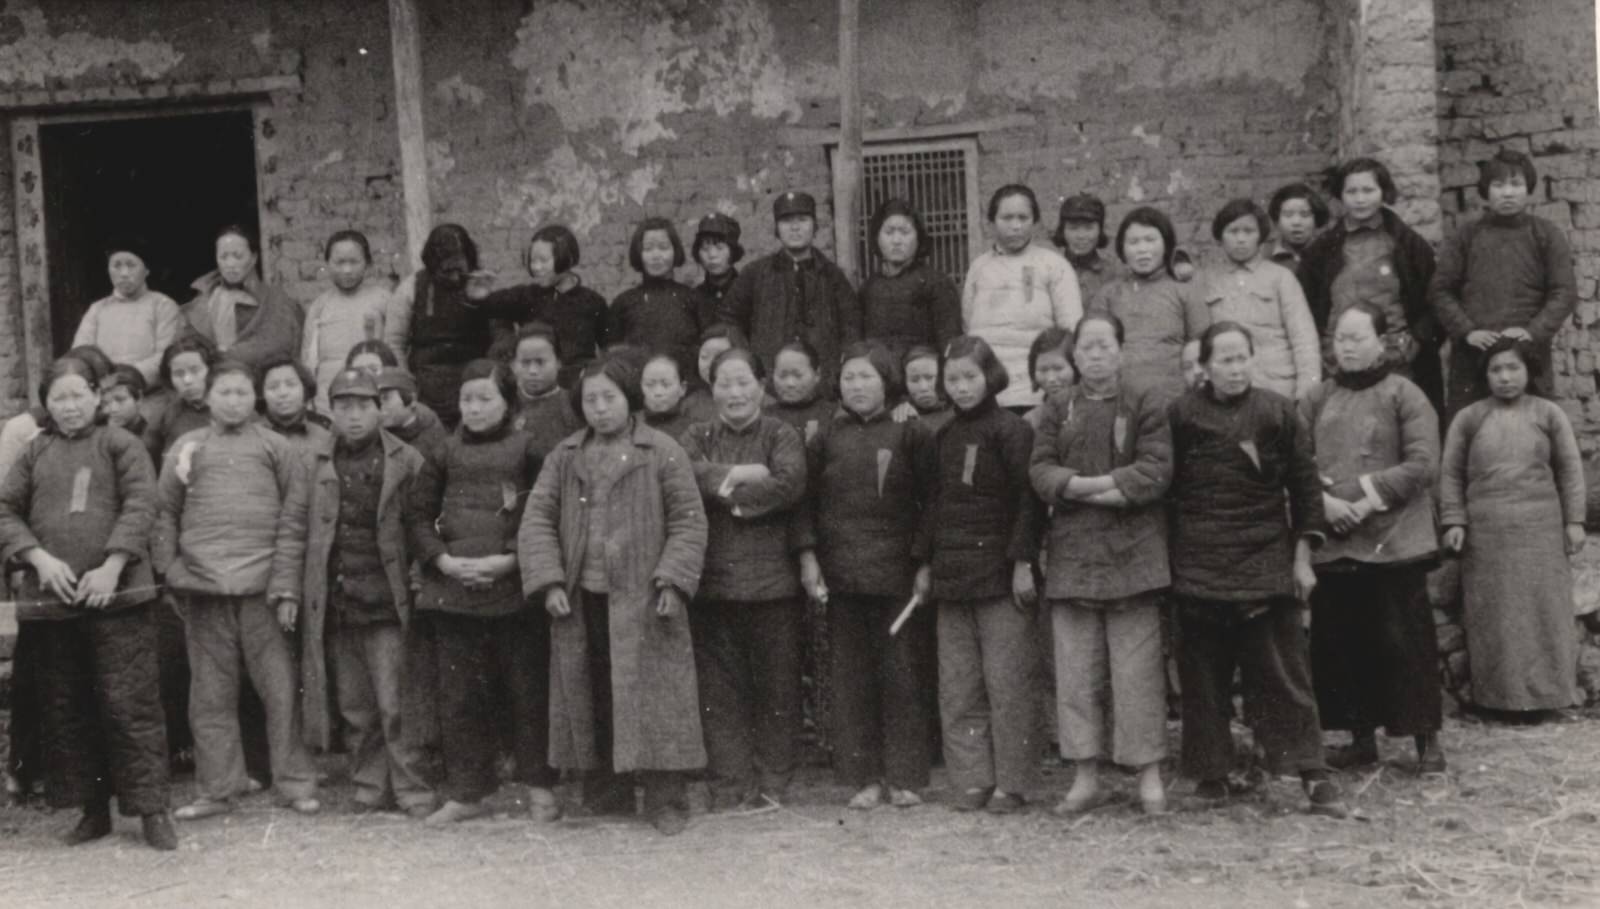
pixel 1517 822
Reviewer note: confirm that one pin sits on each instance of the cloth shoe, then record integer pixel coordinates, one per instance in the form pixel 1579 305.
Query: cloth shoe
pixel 159 832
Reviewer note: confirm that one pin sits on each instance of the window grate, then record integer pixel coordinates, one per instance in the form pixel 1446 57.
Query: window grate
pixel 939 178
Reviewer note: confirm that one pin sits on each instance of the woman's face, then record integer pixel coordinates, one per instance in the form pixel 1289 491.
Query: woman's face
pixel 1013 223
pixel 1052 371
pixel 1362 196
pixel 1241 239
pixel 1296 222
pixel 897 240
pixel 128 274
pixel 72 403
pixel 535 366
pixel 119 405
pixel 1144 249
pixel 369 363
pixel 188 371
pixel 232 399
pixel 736 391
pixel 922 383
pixel 1083 237
pixel 234 258
pixel 1356 345
pixel 1508 195
pixel 1230 364
pixel 965 383
pixel 861 387
pixel 282 392
pixel 542 263
pixel 1508 375
pixel 655 253
pixel 793 377
pixel 1097 351
pixel 663 387
pixel 709 351
pixel 347 264
pixel 716 257
pixel 605 407
pixel 482 405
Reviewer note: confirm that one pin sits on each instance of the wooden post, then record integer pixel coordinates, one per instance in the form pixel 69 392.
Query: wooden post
pixel 847 161
pixel 406 39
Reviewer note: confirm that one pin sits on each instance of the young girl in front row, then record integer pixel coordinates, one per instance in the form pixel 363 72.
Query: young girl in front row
pixel 76 508
pixel 982 537
pixel 462 522
pixel 230 539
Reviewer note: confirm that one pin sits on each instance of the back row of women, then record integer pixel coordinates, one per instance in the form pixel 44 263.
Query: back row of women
pixel 858 505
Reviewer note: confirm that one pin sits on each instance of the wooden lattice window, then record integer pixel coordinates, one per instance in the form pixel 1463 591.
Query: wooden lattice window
pixel 940 178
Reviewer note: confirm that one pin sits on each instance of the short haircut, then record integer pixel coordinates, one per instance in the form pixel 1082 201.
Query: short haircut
pixel 382 351
pixel 1371 166
pixel 1236 209
pixel 976 349
pixel 1052 338
pixel 735 250
pixel 125 376
pixel 1507 162
pixel 1117 330
pixel 724 331
pixel 498 373
pixel 1208 340
pixel 279 361
pixel 663 356
pixel 1009 190
pixel 802 347
pixel 743 355
pixel 918 352
pixel 1528 353
pixel 1146 216
pixel 229 366
pixel 536 329
pixel 195 344
pixel 1285 194
pixel 240 231
pixel 63 367
pixel 1380 319
pixel 904 209
pixel 636 245
pixel 563 246
pixel 622 371
pixel 95 358
pixel 882 362
pixel 348 236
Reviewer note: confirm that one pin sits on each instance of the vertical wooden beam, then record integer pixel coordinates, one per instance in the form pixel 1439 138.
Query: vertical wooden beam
pixel 406 40
pixel 847 163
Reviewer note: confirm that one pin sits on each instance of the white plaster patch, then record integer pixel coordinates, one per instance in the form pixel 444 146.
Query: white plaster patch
pixel 441 164
pixel 328 160
pixel 262 41
pixel 1135 189
pixel 38 57
pixel 570 190
pixel 457 91
pixel 1178 182
pixel 625 65
pixel 1152 140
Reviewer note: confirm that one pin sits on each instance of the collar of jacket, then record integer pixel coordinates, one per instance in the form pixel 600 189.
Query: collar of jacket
pixel 987 406
pixel 746 428
pixel 722 281
pixel 1498 220
pixel 1388 222
pixel 392 445
pixel 1210 393
pixel 883 413
pixel 1362 378
pixel 789 263
pixel 211 280
pixel 295 426
pixel 1094 261
pixel 494 434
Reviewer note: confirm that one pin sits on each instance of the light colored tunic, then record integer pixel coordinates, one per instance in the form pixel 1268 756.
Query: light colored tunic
pixel 1009 298
pixel 1266 298
pixel 336 322
pixel 134 331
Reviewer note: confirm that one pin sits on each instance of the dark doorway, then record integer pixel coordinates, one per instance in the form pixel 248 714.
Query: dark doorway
pixel 172 181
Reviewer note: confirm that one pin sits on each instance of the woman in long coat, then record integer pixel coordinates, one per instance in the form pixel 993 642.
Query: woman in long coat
pixel 623 686
pixel 1512 503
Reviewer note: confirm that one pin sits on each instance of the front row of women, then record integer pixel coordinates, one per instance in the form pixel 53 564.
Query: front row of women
pixel 638 612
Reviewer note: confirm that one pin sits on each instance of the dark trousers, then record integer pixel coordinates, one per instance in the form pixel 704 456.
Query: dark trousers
pixel 104 733
pixel 173 657
pixel 747 657
pixel 603 787
pixel 24 757
pixel 1374 653
pixel 880 710
pixel 478 657
pixel 1269 649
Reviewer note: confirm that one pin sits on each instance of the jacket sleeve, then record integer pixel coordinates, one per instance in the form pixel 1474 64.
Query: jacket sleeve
pixel 532 470
pixel 1424 321
pixel 944 309
pixel 1419 451
pixel 1304 483
pixel 136 490
pixel 1453 468
pixel 684 551
pixel 1567 463
pixel 289 555
pixel 1196 314
pixel 803 528
pixel 787 484
pixel 1045 470
pixel 707 473
pixel 397 318
pixel 1146 478
pixel 737 303
pixel 603 327
pixel 1016 449
pixel 539 551
pixel 1444 291
pixel 171 492
pixel 925 462
pixel 169 324
pixel 422 510
pixel 1561 285
pixel 273 332
pixel 1312 273
pixel 1304 345
pixel 1066 297
pixel 969 294
pixel 16 490
pixel 621 315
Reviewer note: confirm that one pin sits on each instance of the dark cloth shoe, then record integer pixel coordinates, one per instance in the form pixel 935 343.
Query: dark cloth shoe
pixel 95 823
pixel 1430 756
pixel 1327 799
pixel 1004 803
pixel 1212 790
pixel 1361 752
pixel 159 832
pixel 971 800
pixel 670 820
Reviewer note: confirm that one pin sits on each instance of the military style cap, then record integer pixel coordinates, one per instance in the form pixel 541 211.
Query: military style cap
pixel 793 203
pixel 353 383
pixel 393 377
pixel 1083 207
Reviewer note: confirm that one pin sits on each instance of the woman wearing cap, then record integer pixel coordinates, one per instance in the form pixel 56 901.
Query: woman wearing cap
pixel 907 302
pixel 134 324
pixel 1081 235
pixel 796 292
pixel 716 250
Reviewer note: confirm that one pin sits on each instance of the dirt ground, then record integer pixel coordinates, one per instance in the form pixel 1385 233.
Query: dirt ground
pixel 1516 822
